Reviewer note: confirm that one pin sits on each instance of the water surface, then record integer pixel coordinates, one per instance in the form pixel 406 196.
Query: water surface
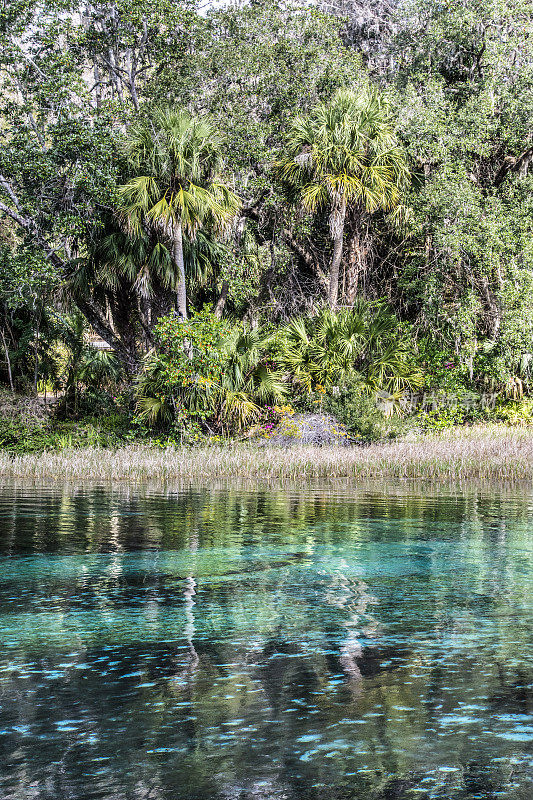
pixel 284 645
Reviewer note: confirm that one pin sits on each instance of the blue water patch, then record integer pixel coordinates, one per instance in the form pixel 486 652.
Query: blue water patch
pixel 278 645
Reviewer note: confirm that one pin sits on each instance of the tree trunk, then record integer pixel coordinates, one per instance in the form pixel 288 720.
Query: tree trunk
pixel 493 312
pixel 122 308
pixel 221 302
pixel 95 317
pixel 8 362
pixel 177 254
pixel 36 354
pixel 161 302
pixel 356 262
pixel 520 164
pixel 338 237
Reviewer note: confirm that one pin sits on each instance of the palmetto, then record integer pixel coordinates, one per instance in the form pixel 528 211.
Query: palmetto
pixel 343 155
pixel 247 379
pixel 176 190
pixel 333 346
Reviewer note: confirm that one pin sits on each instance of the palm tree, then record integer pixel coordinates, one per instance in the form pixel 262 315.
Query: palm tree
pixel 120 263
pixel 345 155
pixel 176 190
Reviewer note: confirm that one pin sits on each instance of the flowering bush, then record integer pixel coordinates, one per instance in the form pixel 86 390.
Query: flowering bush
pixel 190 351
pixel 271 416
pixel 208 371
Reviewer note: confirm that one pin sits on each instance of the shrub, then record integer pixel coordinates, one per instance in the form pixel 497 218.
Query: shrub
pixel 438 419
pixel 356 408
pixel 205 372
pixel 518 412
pixel 368 340
pixel 17 436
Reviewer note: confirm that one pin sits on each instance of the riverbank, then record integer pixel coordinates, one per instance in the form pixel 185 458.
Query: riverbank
pixel 485 452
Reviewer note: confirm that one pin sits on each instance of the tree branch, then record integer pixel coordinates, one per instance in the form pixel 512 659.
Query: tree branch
pixel 252 210
pixel 87 306
pixel 512 164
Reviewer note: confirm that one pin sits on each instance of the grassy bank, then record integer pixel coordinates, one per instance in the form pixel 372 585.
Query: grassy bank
pixel 493 453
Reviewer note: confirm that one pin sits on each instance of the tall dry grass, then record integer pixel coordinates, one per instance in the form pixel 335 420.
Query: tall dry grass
pixel 492 454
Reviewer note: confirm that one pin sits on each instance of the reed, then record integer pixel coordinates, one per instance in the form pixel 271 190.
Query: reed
pixel 494 453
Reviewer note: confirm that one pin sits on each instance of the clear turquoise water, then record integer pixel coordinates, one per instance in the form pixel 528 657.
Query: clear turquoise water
pixel 281 645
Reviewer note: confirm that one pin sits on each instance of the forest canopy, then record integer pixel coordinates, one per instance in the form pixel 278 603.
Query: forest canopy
pixel 267 164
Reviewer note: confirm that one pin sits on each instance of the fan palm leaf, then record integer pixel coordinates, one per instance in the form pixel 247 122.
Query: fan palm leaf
pixel 345 154
pixel 177 191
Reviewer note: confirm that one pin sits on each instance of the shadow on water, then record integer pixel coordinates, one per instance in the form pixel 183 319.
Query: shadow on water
pixel 514 693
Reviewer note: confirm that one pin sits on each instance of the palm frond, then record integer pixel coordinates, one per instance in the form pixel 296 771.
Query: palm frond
pixel 346 148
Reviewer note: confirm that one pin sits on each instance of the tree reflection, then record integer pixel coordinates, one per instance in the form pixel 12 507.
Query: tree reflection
pixel 263 645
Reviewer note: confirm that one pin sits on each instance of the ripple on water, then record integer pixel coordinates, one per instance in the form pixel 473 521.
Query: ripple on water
pixel 265 644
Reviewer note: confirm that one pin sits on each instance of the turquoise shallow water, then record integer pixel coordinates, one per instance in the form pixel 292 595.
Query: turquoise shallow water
pixel 284 645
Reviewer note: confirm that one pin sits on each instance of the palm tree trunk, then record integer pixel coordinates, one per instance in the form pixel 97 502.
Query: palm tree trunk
pixel 177 254
pixel 340 217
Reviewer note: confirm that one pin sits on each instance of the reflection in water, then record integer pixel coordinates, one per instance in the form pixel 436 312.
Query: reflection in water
pixel 352 597
pixel 279 645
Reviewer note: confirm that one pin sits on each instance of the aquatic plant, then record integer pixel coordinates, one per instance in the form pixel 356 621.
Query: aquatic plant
pixel 492 453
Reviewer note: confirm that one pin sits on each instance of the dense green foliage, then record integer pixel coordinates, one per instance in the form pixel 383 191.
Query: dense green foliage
pixel 286 166
pixel 332 347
